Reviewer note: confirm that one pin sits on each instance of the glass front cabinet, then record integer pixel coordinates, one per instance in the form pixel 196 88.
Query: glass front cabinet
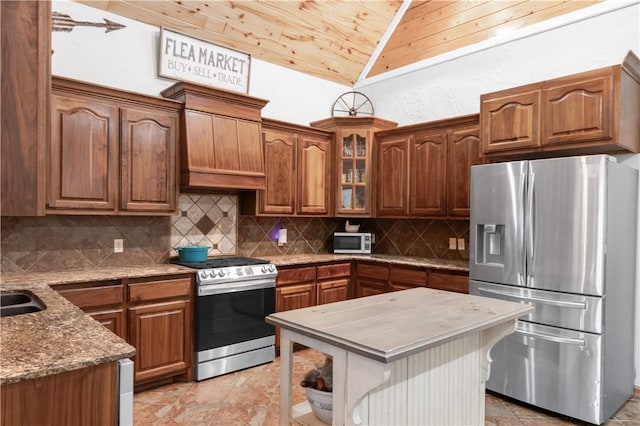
pixel 353 153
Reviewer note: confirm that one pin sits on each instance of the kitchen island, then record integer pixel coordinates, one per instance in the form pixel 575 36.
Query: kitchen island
pixel 418 356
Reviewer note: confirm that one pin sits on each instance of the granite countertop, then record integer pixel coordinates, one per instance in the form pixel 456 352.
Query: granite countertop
pixel 298 259
pixel 61 337
pixel 391 326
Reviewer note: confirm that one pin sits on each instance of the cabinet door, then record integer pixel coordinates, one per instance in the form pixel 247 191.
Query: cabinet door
pixel 148 165
pixel 392 177
pixel 510 122
pixel 463 151
pixel 427 180
pixel 25 36
pixel 295 296
pixel 332 291
pixel 368 287
pixel 313 176
pixel 354 156
pixel 83 154
pixel 279 151
pixel 450 281
pixel 578 112
pixel 114 320
pixel 159 334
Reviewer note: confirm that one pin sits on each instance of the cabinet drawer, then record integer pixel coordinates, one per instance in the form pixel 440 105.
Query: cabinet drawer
pixel 155 290
pixel 409 276
pixel 334 271
pixel 450 282
pixel 92 297
pixel 377 272
pixel 296 275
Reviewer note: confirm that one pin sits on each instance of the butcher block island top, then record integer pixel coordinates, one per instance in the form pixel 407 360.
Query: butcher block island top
pixel 390 326
pixel 417 356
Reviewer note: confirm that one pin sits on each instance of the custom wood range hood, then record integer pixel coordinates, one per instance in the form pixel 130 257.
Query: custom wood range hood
pixel 221 145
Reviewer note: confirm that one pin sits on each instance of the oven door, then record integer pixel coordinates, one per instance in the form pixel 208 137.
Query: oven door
pixel 232 318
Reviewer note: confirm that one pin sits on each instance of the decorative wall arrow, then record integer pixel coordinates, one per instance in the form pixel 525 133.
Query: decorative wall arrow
pixel 63 22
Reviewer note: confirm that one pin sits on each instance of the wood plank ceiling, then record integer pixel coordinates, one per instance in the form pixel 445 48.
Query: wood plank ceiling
pixel 335 39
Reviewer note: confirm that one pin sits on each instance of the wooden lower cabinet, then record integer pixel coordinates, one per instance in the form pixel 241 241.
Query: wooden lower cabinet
pixel 371 279
pixel 403 278
pixel 160 317
pixel 88 396
pixel 103 300
pixel 158 333
pixel 332 283
pixel 449 280
pixel 377 278
pixel 153 315
pixel 305 286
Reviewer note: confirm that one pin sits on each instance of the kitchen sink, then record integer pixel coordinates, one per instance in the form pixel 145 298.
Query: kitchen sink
pixel 19 302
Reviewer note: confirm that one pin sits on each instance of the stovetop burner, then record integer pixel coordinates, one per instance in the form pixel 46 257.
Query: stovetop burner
pixel 221 262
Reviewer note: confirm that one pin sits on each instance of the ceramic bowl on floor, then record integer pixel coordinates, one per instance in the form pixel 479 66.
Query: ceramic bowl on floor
pixel 321 403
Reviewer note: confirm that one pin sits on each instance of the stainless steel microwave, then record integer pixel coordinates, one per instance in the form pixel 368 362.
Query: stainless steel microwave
pixel 352 242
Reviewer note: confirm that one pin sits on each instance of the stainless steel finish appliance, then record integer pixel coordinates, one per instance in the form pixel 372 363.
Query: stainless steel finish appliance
pixel 559 234
pixel 125 392
pixel 233 297
pixel 352 242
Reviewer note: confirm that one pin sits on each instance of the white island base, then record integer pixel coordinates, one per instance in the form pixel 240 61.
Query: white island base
pixel 414 357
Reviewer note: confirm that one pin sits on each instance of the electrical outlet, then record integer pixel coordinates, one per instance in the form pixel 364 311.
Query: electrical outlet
pixel 452 243
pixel 373 238
pixel 460 243
pixel 118 245
pixel 282 237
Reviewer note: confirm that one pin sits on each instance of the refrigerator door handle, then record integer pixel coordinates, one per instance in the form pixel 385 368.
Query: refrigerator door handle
pixel 522 260
pixel 529 228
pixel 548 337
pixel 560 303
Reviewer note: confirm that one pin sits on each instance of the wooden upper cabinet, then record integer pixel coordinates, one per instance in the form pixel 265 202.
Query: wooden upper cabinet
pixel 463 151
pixel 393 162
pixel 280 167
pixel 427 184
pixel 148 163
pixel 314 171
pixel 591 112
pixel 297 172
pixel 510 120
pixel 222 146
pixel 24 116
pixel 111 152
pixel 353 164
pixel 83 154
pixel 579 111
pixel 424 169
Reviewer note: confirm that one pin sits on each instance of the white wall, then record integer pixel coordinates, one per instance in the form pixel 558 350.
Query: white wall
pixel 452 86
pixel 128 59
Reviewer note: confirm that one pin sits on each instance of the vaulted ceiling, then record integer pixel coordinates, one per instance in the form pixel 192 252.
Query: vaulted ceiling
pixel 335 39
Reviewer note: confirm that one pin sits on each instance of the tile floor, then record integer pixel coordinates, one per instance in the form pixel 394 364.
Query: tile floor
pixel 250 397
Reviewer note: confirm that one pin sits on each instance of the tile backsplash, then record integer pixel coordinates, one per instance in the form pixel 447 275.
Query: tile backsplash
pixel 258 236
pixel 55 243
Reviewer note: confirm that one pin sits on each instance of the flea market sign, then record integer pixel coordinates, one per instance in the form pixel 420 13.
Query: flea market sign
pixel 190 59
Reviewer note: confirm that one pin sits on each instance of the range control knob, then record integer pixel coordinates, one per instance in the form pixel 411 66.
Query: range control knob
pixel 221 273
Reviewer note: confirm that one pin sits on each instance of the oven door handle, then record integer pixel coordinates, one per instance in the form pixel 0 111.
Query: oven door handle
pixel 232 287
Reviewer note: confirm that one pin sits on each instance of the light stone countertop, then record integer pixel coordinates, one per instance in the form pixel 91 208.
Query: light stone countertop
pixel 63 338
pixel 391 326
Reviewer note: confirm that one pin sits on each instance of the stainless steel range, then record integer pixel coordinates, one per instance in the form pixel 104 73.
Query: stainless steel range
pixel 233 296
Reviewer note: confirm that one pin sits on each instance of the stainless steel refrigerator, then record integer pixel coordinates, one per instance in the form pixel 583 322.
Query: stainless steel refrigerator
pixel 560 234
